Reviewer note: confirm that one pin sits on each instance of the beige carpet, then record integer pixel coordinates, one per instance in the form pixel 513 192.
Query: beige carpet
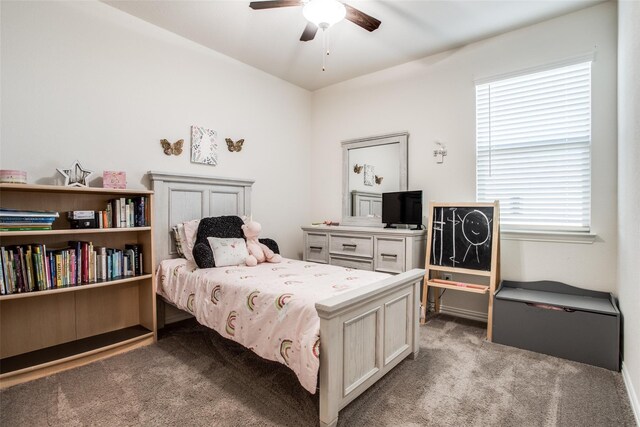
pixel 193 377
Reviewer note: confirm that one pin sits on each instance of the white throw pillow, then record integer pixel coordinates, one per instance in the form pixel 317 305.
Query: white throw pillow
pixel 228 252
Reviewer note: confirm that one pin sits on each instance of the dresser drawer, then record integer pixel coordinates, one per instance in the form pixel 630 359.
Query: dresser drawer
pixel 359 264
pixel 390 255
pixel 345 244
pixel 316 247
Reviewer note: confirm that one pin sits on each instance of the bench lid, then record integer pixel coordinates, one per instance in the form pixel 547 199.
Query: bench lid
pixel 575 302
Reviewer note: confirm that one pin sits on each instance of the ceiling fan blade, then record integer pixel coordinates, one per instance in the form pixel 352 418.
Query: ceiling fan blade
pixel 367 22
pixel 270 4
pixel 309 32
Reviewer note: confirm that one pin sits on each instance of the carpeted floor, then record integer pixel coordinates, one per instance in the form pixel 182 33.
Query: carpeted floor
pixel 193 377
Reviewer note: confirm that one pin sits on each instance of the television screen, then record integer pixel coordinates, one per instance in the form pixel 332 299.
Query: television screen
pixel 402 207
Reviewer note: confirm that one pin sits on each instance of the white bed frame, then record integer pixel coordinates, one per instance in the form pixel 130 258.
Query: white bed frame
pixel 363 333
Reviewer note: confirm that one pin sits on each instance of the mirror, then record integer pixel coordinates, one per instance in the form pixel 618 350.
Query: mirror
pixel 370 167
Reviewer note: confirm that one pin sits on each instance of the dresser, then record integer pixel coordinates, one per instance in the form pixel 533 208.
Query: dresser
pixel 366 248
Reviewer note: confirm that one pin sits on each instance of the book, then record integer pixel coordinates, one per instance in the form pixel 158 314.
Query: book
pixel 23 269
pixel 28 262
pixel 5 270
pixel 58 270
pixel 109 264
pixel 135 252
pixel 17 271
pixel 26 219
pixel 25 228
pixel 140 220
pixel 20 213
pixel 108 216
pixel 127 215
pixel 47 267
pixel 123 218
pixel 101 262
pixel 81 214
pixel 3 288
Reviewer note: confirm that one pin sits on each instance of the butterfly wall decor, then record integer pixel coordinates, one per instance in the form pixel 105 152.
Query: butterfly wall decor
pixel 379 179
pixel 237 146
pixel 169 148
pixel 358 168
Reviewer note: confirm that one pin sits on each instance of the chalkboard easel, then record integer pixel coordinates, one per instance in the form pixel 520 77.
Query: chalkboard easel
pixel 463 238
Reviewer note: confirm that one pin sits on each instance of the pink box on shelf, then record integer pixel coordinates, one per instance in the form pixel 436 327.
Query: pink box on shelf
pixel 9 176
pixel 114 179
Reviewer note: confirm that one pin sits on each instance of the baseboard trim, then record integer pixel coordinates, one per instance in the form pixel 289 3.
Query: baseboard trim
pixel 633 397
pixel 462 312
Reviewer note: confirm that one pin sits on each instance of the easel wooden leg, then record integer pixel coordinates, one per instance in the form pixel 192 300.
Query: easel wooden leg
pixel 490 318
pixel 425 301
pixel 436 300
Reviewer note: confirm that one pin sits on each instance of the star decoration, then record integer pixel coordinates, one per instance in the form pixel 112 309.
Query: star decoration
pixel 76 175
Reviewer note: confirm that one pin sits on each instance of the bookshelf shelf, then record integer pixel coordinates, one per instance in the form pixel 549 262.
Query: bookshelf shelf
pixel 63 231
pixel 16 369
pixel 71 190
pixel 75 288
pixel 46 331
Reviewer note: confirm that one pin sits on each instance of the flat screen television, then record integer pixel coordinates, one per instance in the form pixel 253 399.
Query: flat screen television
pixel 402 207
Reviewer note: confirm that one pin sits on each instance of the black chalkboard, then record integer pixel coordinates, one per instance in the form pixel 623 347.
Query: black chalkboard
pixel 461 237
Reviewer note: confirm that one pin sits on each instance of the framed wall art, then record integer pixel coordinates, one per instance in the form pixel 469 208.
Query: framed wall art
pixel 368 175
pixel 204 146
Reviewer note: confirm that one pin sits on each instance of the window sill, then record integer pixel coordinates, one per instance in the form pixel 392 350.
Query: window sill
pixel 548 236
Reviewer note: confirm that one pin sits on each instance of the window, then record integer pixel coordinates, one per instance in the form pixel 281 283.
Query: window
pixel 533 147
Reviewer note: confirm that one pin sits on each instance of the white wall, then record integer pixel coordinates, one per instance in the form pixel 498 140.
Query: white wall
pixel 629 191
pixel 434 99
pixel 82 80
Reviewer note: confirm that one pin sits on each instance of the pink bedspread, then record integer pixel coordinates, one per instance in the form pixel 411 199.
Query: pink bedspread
pixel 269 308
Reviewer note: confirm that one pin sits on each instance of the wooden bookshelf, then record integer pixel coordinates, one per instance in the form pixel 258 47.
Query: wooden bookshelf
pixel 43 332
pixel 64 231
pixel 76 288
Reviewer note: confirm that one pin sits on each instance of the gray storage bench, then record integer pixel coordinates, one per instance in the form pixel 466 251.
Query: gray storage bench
pixel 559 320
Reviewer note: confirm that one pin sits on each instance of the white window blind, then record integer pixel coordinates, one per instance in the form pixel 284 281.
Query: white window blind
pixel 533 142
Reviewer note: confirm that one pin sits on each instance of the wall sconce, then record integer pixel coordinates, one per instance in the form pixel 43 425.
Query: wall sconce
pixel 440 151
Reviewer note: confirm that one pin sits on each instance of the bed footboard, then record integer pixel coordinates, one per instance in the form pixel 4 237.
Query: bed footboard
pixel 363 335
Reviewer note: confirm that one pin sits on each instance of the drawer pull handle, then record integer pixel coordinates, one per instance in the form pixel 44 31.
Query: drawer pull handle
pixel 389 255
pixel 349 245
pixel 550 307
pixel 316 248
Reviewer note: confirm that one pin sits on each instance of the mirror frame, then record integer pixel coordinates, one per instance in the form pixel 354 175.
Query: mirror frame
pixel 401 138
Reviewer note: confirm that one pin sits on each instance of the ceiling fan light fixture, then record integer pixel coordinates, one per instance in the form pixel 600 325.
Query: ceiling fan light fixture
pixel 324 13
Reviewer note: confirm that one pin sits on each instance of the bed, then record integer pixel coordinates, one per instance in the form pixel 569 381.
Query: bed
pixel 367 322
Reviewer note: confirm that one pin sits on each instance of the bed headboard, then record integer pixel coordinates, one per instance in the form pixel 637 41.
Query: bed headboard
pixel 181 197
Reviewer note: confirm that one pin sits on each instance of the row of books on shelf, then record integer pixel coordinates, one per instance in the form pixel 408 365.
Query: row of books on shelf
pixel 34 267
pixel 119 213
pixel 26 220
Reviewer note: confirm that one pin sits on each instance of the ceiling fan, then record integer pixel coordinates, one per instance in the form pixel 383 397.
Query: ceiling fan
pixel 321 14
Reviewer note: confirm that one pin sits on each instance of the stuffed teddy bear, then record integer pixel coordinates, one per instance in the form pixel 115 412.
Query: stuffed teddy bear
pixel 258 252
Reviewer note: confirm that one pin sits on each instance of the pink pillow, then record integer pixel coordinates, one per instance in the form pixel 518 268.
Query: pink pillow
pixel 190 232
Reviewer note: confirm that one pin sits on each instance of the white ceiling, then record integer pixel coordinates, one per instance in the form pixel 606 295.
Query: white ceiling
pixel 269 39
